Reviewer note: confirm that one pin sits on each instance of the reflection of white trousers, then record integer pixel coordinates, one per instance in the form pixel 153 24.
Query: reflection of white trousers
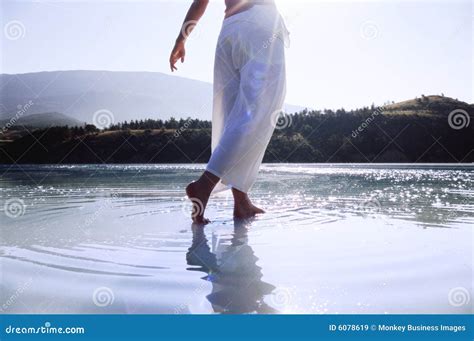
pixel 249 91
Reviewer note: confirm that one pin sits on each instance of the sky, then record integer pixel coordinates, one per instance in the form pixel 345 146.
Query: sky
pixel 343 53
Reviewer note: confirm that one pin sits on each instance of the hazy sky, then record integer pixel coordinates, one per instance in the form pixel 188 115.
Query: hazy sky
pixel 342 54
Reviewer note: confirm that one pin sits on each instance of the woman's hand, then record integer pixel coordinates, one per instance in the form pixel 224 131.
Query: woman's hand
pixel 195 12
pixel 178 53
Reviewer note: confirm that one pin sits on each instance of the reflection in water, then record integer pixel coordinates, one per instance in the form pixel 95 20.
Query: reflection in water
pixel 236 279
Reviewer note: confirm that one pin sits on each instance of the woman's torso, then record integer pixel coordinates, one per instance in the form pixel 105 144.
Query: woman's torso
pixel 237 6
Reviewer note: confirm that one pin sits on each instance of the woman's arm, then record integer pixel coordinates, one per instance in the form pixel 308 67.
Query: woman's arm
pixel 195 13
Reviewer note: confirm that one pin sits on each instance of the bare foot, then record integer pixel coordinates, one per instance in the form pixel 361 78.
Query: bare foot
pixel 199 196
pixel 245 209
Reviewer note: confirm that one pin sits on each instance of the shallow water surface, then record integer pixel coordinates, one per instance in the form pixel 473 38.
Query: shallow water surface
pixel 335 239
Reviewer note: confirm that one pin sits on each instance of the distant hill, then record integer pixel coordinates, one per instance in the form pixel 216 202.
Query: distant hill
pixel 428 105
pixel 42 121
pixel 128 95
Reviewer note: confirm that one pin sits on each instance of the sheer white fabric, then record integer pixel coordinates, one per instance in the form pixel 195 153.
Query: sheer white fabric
pixel 249 91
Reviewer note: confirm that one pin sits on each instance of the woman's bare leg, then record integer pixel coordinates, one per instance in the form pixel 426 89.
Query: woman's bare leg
pixel 243 207
pixel 198 192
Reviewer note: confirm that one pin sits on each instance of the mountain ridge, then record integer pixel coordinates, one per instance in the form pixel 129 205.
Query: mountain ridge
pixel 41 120
pixel 127 94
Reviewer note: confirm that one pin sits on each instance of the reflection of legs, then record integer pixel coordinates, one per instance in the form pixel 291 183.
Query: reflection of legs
pixel 199 192
pixel 243 207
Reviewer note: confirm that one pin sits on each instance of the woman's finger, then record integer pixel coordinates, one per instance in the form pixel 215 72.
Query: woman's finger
pixel 173 60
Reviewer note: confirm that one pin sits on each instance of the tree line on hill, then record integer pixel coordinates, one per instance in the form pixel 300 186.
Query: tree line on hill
pixel 362 135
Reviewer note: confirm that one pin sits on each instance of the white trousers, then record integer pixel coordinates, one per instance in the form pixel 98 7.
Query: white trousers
pixel 249 91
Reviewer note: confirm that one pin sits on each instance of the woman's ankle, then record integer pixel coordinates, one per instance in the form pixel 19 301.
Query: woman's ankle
pixel 240 198
pixel 209 179
pixel 206 183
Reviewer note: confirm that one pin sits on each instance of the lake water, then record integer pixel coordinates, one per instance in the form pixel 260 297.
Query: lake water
pixel 335 239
